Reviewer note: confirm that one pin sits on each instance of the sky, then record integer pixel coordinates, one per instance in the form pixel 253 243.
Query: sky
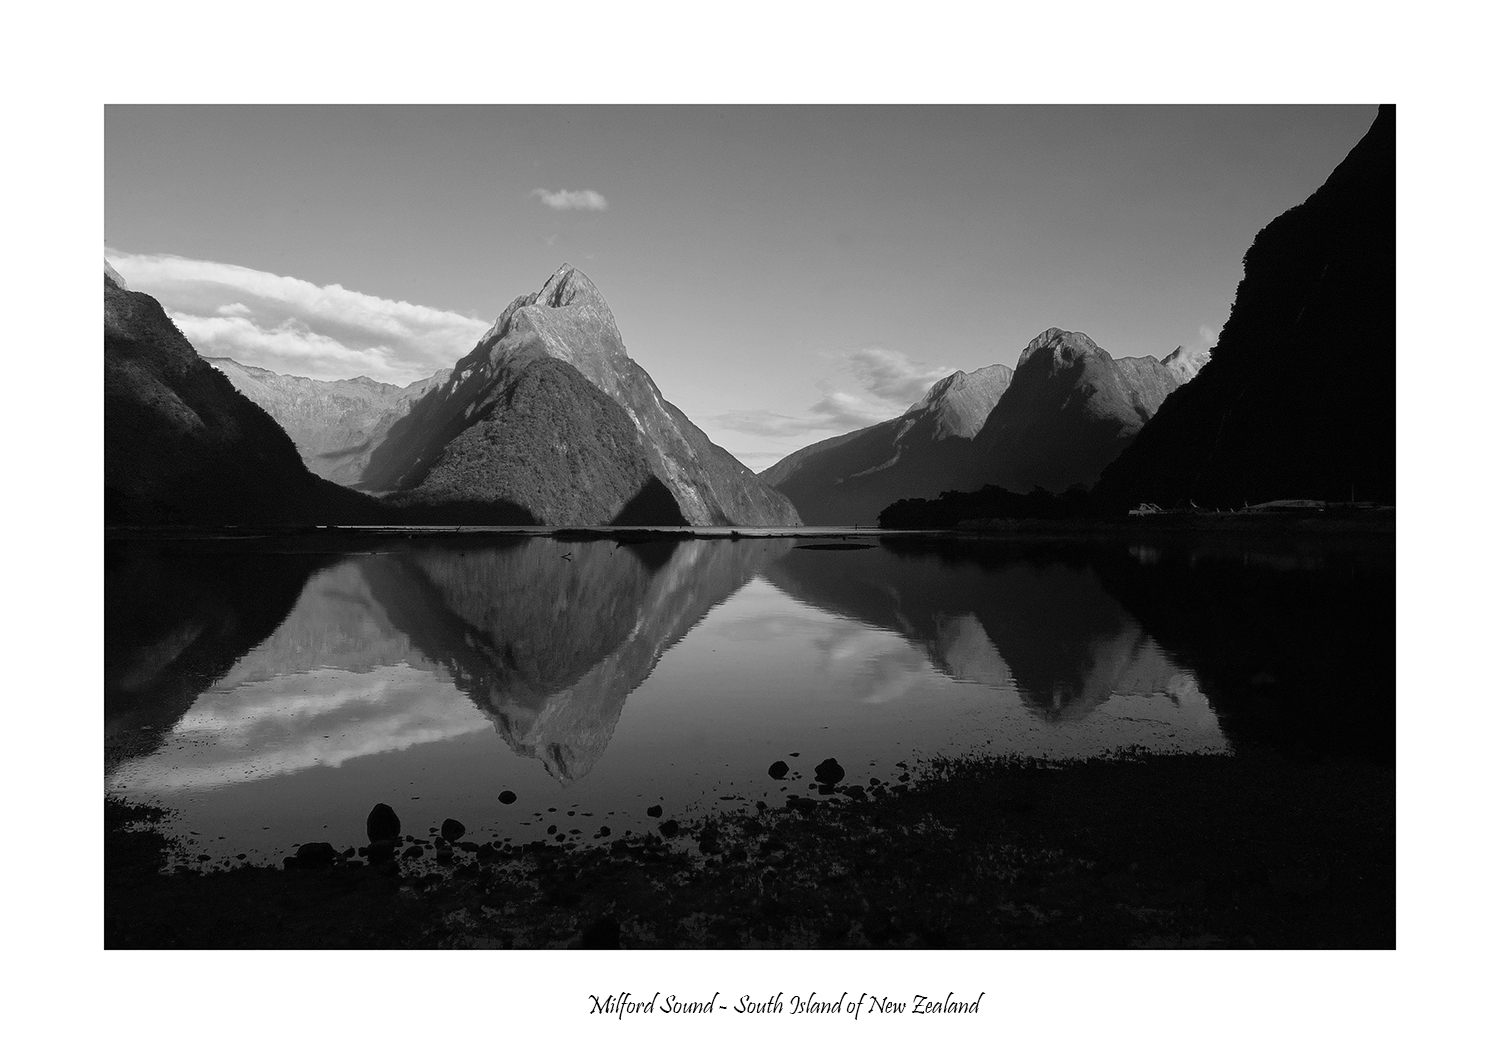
pixel 784 273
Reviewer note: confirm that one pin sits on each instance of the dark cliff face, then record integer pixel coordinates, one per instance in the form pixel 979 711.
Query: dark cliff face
pixel 568 329
pixel 1069 411
pixel 850 478
pixel 182 446
pixel 334 424
pixel 1299 399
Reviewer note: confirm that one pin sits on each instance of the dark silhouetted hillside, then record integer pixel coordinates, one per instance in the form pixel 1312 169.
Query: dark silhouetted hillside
pixel 1299 399
pixel 182 446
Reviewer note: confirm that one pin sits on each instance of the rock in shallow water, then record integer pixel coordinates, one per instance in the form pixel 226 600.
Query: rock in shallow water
pixel 655 810
pixel 507 797
pixel 316 854
pixel 829 771
pixel 452 830
pixel 382 824
pixel 777 771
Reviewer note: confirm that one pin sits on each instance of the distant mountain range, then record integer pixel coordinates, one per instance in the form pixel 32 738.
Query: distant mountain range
pixel 334 424
pixel 1300 398
pixel 1065 412
pixel 547 420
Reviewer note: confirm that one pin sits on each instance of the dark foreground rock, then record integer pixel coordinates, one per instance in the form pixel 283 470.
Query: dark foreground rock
pixel 382 824
pixel 1256 850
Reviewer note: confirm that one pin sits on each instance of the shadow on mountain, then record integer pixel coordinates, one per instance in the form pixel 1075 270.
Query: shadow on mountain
pixel 653 506
pixel 1293 639
pixel 1030 615
pixel 175 622
pixel 548 638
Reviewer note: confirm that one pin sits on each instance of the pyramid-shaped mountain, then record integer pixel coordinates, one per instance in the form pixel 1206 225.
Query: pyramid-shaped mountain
pixel 1299 400
pixel 182 446
pixel 549 413
pixel 850 478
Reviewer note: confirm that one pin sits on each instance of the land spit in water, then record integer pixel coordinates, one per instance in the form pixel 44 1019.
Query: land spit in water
pixel 1261 849
pixel 1380 523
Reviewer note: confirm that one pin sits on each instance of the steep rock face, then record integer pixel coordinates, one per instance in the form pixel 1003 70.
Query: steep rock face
pixel 1299 400
pixel 334 424
pixel 1069 411
pixel 181 445
pixel 850 478
pixel 567 322
pixel 558 446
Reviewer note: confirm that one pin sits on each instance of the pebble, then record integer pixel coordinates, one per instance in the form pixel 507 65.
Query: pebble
pixel 507 797
pixel 452 830
pixel 777 770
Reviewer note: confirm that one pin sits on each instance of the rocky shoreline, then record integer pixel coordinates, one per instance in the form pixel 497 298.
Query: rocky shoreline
pixel 1260 849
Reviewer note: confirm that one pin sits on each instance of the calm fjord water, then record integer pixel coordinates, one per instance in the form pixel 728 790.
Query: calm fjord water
pixel 271 698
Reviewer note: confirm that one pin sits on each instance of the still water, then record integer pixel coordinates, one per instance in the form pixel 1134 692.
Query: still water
pixel 271 698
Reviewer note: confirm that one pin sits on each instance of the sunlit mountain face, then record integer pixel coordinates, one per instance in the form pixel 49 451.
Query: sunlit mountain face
pixel 273 699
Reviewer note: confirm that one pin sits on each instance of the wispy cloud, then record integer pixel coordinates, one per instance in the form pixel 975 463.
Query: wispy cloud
pixel 294 326
pixel 1208 336
pixel 893 377
pixel 866 387
pixel 584 200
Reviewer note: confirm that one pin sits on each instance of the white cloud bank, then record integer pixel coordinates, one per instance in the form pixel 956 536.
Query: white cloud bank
pixel 583 200
pixel 294 327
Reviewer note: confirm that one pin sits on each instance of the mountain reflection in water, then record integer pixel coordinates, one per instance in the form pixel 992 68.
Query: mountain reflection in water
pixel 331 681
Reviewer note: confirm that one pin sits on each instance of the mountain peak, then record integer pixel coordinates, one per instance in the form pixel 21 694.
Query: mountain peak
pixel 961 401
pixel 1061 347
pixel 569 289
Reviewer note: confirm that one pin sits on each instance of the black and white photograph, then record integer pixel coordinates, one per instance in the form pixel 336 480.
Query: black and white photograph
pixel 768 527
pixel 704 529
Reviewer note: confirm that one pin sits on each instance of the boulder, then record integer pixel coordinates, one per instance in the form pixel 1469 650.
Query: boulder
pixel 382 824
